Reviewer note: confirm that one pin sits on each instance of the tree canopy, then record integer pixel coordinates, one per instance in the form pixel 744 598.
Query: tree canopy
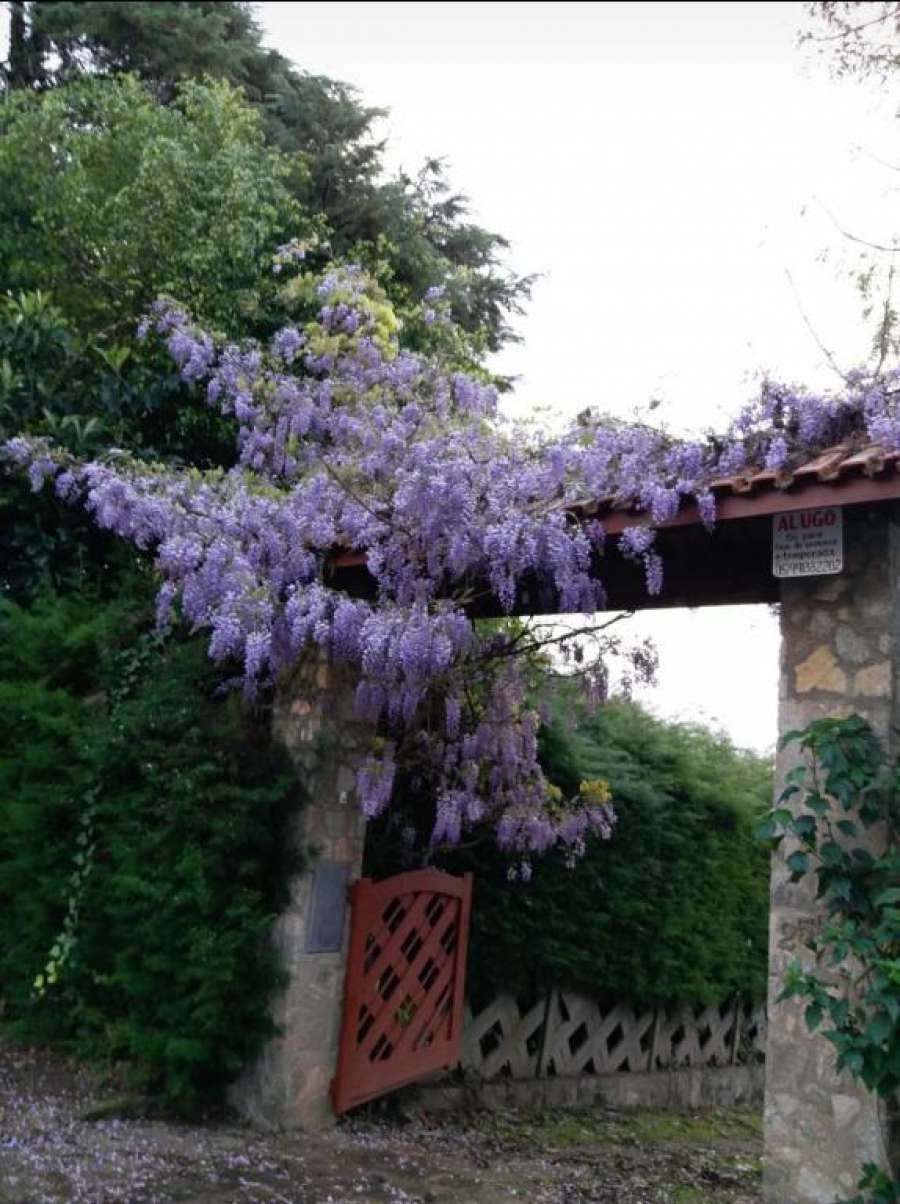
pixel 856 37
pixel 860 39
pixel 111 199
pixel 413 228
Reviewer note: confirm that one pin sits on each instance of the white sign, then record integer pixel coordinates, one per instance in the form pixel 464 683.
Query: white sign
pixel 808 543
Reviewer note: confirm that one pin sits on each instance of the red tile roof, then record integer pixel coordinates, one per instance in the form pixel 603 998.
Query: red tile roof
pixel 844 475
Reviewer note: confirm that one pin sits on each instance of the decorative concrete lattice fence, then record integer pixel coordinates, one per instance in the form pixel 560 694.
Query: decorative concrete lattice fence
pixel 566 1034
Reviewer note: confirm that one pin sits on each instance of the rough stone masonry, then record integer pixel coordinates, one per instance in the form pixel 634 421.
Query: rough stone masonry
pixel 289 1085
pixel 839 656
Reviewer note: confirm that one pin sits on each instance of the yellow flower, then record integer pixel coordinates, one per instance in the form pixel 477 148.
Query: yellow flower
pixel 596 792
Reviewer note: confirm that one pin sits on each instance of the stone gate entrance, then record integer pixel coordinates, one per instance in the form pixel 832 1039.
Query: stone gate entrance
pixel 840 654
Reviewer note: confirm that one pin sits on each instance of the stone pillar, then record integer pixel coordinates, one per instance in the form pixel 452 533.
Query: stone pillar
pixel 288 1086
pixel 839 656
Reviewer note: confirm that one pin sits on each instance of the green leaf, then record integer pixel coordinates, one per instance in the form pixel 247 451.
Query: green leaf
pixel 766 830
pixel 805 828
pixel 840 888
pixel 852 1060
pixel 880 1028
pixel 832 854
pixel 838 1010
pixel 813 1016
pixel 798 863
pixel 790 737
pixel 891 1004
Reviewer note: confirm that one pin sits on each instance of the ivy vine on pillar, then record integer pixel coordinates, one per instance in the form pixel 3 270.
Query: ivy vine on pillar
pixel 846 785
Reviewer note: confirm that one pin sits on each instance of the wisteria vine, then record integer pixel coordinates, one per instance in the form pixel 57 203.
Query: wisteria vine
pixel 345 440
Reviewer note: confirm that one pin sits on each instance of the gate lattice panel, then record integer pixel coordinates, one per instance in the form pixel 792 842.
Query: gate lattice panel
pixel 405 983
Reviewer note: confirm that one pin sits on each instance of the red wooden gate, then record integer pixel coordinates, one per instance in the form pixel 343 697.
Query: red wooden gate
pixel 403 995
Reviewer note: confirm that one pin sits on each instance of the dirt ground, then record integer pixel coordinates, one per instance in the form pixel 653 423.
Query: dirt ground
pixel 62 1143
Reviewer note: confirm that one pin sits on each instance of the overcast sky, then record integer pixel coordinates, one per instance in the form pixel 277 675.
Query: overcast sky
pixel 664 166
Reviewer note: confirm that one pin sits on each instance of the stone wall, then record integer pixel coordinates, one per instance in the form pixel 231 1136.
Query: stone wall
pixel 571 1051
pixel 691 1088
pixel 839 656
pixel 288 1086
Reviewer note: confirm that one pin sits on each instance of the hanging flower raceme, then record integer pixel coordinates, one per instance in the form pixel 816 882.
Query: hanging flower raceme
pixel 344 440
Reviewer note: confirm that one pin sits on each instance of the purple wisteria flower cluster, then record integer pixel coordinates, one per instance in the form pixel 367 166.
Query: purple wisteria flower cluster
pixel 347 441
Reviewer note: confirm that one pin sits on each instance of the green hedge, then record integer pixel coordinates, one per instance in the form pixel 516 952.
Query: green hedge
pixel 180 869
pixel 673 908
pixel 170 971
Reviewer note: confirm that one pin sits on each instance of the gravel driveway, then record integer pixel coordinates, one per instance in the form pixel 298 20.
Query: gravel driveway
pixel 60 1145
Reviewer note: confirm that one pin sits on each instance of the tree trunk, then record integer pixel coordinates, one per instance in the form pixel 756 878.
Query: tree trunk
pixel 18 69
